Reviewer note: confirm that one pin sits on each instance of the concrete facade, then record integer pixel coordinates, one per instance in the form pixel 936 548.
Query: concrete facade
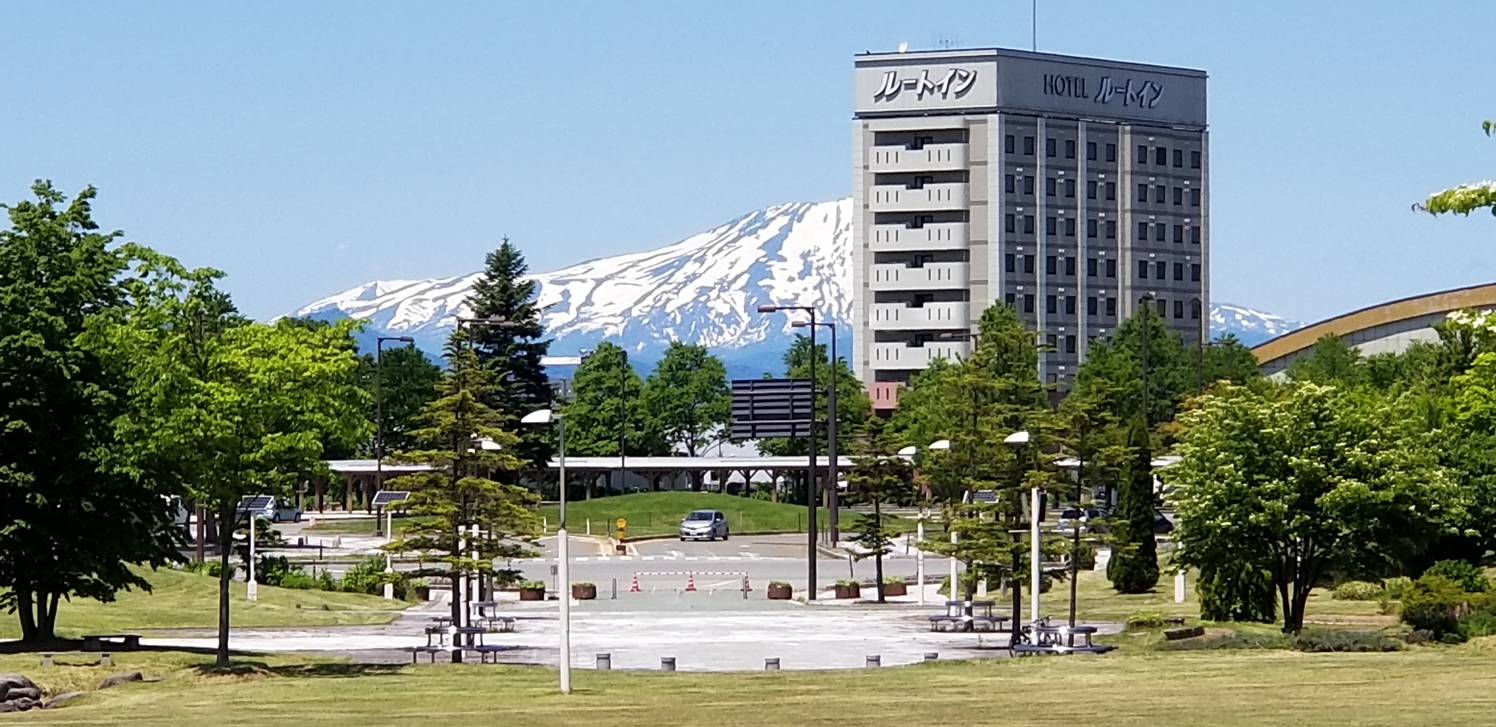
pixel 1068 188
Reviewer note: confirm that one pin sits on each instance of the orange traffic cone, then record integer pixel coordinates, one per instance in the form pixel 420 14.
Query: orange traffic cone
pixel 634 587
pixel 746 587
pixel 690 581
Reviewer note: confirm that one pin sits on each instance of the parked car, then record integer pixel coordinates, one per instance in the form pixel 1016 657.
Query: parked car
pixel 704 525
pixel 279 511
pixel 1086 519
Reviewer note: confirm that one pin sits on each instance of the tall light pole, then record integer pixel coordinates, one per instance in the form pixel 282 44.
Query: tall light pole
pixel 563 555
pixel 833 457
pixel 1020 440
pixel 810 471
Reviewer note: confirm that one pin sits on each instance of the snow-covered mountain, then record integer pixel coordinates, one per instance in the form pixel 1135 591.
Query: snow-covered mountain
pixel 704 289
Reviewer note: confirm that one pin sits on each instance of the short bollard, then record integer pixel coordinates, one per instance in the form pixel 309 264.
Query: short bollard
pixel 604 661
pixel 931 656
pixel 667 663
pixel 771 665
pixel 874 661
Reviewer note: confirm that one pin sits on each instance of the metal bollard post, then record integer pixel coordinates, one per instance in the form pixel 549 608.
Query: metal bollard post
pixel 667 663
pixel 604 662
pixel 874 661
pixel 615 588
pixel 931 656
pixel 771 664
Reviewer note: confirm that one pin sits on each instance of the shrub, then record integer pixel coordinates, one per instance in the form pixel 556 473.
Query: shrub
pixel 1237 592
pixel 299 580
pixel 1469 578
pixel 1146 620
pixel 1477 624
pixel 1394 587
pixel 894 581
pixel 1343 641
pixel 1385 605
pixel 209 568
pixel 532 585
pixel 1233 641
pixel 848 582
pixel 272 570
pixel 584 584
pixel 1436 603
pixel 778 584
pixel 1356 591
pixel 1085 556
pixel 1419 636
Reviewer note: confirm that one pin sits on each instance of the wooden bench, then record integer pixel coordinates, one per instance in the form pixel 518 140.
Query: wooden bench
pixel 105 658
pixel 498 624
pixel 416 651
pixel 95 642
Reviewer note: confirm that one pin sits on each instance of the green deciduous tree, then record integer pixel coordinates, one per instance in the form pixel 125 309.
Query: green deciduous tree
pixel 461 492
pixel 1332 361
pixel 1115 369
pixel 511 354
pixel 1133 567
pixel 233 409
pixel 407 384
pixel 1293 482
pixel 75 517
pixel 688 397
pixel 1465 198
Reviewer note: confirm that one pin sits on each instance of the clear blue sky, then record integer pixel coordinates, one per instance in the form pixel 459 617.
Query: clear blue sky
pixel 308 147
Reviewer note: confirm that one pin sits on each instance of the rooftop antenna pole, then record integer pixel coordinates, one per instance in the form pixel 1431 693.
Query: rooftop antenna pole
pixel 1034 18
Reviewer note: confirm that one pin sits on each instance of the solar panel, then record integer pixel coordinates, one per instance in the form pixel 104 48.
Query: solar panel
pixel 987 496
pixel 390 497
pixel 255 502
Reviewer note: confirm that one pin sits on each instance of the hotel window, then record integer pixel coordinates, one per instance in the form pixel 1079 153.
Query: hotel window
pixel 1028 146
pixel 1161 194
pixel 1163 308
pixel 1142 270
pixel 1050 306
pixel 1050 184
pixel 1049 147
pixel 1159 230
pixel 1028 264
pixel 1111 267
pixel 1010 263
pixel 1050 228
pixel 1010 223
pixel 1049 342
pixel 1090 228
pixel 1091 267
pixel 1142 230
pixel 1195 234
pixel 1178 309
pixel 1069 305
pixel 1194 160
pixel 1090 190
pixel 1028 302
pixel 1111 307
pixel 1028 185
pixel 1051 265
pixel 1069 227
pixel 1111 229
pixel 1178 157
pixel 1195 309
pixel 1069 148
pixel 1070 188
pixel 1195 272
pixel 1142 193
pixel 1160 156
pixel 1179 196
pixel 1111 191
pixel 1091 306
pixel 1028 224
pixel 1179 271
pixel 1010 184
pixel 1142 153
pixel 1091 151
pixel 1070 265
pixel 1111 152
pixel 1161 270
pixel 1008 144
pixel 1179 233
pixel 1010 298
pixel 1195 197
pixel 1069 344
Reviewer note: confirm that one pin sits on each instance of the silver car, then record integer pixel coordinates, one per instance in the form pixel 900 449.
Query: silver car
pixel 704 525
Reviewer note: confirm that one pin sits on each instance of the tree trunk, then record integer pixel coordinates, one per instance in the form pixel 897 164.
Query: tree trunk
pixel 1017 596
pixel 225 574
pixel 28 615
pixel 456 577
pixel 46 625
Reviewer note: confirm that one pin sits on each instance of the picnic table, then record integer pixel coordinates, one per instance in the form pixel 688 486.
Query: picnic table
pixel 464 638
pixel 966 615
pixel 1047 639
pixel 486 611
pixel 95 642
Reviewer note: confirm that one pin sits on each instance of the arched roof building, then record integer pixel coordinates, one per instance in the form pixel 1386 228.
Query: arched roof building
pixel 1384 328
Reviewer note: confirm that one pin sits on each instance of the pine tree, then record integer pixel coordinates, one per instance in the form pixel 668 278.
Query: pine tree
pixel 510 354
pixel 1134 564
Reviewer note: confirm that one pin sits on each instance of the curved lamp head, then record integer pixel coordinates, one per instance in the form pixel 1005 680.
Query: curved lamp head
pixel 539 416
pixel 1018 437
pixel 941 445
pixel 909 451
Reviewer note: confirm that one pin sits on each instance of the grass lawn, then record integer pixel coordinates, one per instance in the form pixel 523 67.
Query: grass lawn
pixel 189 600
pixel 1429 685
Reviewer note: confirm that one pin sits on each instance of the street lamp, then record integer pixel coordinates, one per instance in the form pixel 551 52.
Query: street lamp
pixel 563 569
pixel 1017 440
pixel 810 472
pixel 831 454
pixel 389 558
pixel 944 445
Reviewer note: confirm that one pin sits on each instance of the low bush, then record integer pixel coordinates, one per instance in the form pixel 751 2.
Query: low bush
pixel 1237 640
pixel 209 568
pixel 848 582
pixel 1146 620
pixel 1470 578
pixel 1477 624
pixel 894 581
pixel 1356 591
pixel 532 585
pixel 1436 603
pixel 1394 587
pixel 1419 636
pixel 1338 640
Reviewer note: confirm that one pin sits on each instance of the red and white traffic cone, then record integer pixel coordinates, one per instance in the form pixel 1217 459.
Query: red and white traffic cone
pixel 634 587
pixel 746 587
pixel 690 581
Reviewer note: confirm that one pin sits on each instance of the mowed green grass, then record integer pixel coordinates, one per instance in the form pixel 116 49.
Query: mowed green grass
pixel 1430 685
pixel 188 600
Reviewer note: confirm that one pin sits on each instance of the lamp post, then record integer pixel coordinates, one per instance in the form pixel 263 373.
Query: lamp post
pixel 944 445
pixel 563 568
pixel 833 464
pixel 810 471
pixel 1019 440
